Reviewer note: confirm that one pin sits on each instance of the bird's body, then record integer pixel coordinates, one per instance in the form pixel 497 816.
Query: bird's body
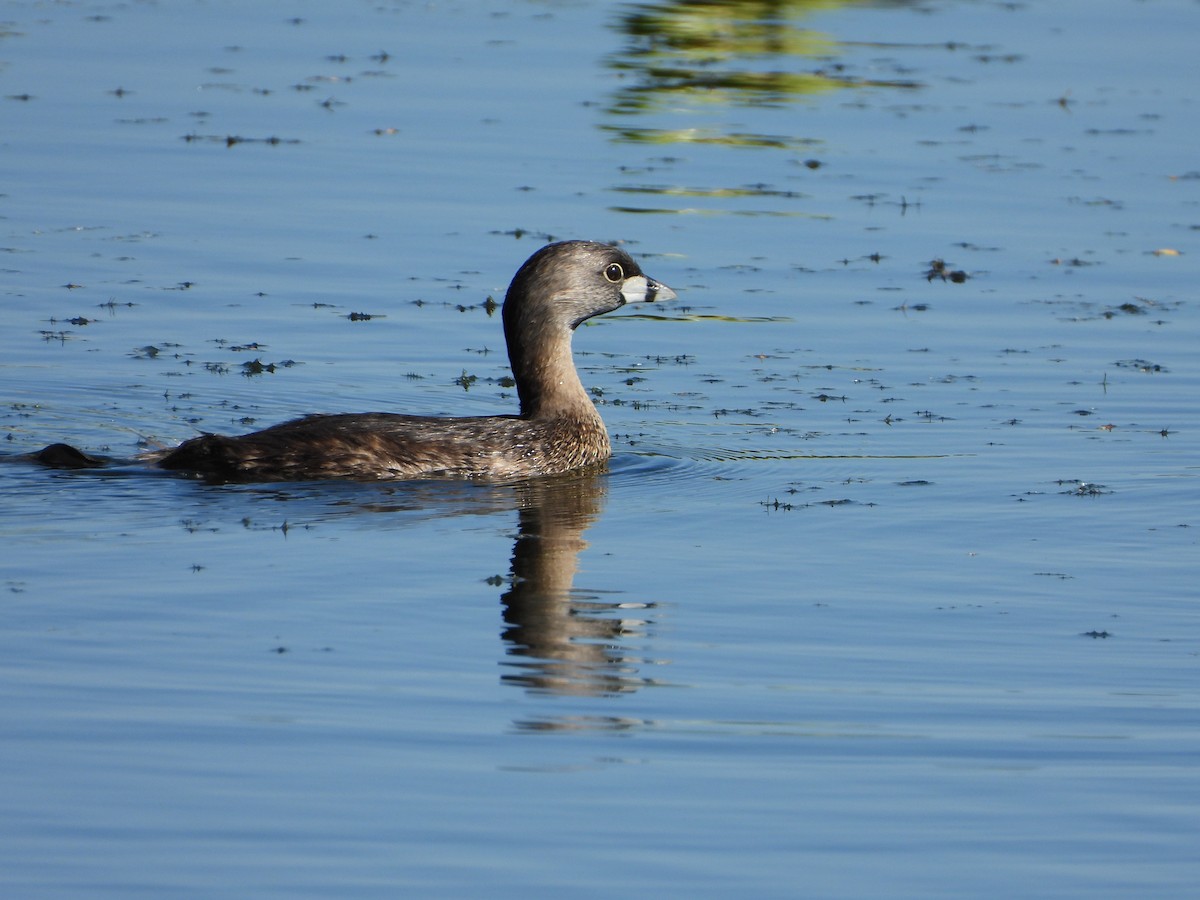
pixel 368 446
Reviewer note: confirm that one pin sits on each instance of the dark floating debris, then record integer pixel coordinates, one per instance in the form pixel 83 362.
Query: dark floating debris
pixel 938 268
pixel 1084 488
pixel 777 505
pixel 1129 308
pixel 1141 365
pixel 519 233
pixel 253 367
pixel 153 351
pixel 1096 634
pixel 231 140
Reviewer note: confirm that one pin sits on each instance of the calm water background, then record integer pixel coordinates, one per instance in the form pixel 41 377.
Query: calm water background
pixel 890 589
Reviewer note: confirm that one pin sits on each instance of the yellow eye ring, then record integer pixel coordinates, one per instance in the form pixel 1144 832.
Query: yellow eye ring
pixel 614 273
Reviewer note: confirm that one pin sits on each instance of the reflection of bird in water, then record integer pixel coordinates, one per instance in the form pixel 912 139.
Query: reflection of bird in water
pixel 568 642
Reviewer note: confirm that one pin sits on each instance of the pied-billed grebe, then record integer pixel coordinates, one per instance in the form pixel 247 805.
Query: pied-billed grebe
pixel 557 289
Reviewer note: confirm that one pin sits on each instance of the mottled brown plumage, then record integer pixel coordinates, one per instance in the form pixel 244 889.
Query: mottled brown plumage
pixel 558 429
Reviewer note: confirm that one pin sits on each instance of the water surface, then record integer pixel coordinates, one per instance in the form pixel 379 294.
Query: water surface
pixel 889 589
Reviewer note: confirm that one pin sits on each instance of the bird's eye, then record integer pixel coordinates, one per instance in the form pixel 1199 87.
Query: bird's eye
pixel 614 273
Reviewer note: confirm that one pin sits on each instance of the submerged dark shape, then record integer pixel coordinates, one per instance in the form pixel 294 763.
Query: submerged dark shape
pixel 64 456
pixel 558 429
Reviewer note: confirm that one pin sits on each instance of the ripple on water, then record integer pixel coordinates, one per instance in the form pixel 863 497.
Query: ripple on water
pixel 706 464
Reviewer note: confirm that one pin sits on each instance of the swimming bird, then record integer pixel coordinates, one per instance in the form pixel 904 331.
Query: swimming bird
pixel 558 428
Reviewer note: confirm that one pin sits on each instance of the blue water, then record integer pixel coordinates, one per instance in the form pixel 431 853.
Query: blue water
pixel 889 590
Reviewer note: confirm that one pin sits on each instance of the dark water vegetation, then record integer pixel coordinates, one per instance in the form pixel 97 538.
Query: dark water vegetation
pixel 888 590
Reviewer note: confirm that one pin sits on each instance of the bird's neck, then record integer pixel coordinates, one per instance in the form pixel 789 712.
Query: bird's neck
pixel 547 383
